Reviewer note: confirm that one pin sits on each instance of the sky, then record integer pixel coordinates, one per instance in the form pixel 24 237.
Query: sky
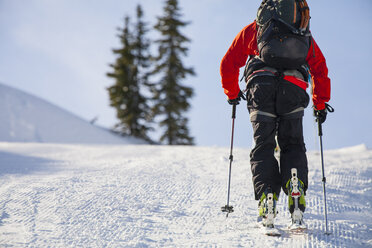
pixel 60 50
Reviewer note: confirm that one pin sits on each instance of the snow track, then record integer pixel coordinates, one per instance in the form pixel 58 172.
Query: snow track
pixel 159 196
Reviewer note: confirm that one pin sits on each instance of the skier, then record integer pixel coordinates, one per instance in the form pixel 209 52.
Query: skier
pixel 283 59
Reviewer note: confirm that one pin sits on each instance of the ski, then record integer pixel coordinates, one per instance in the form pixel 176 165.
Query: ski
pixel 297 228
pixel 271 231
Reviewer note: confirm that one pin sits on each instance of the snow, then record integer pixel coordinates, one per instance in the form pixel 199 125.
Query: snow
pixel 27 118
pixel 67 183
pixel 73 195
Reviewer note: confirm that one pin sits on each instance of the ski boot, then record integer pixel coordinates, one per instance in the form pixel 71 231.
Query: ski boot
pixel 296 200
pixel 267 209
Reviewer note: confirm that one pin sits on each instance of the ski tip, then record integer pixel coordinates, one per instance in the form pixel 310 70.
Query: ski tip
pixel 271 231
pixel 297 229
pixel 273 234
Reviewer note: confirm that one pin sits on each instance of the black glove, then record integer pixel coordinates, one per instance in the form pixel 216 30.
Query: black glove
pixel 320 115
pixel 236 101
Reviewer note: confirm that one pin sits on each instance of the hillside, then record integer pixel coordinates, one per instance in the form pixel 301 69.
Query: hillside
pixel 57 195
pixel 26 118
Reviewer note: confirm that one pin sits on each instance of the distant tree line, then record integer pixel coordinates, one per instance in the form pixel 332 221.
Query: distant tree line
pixel 148 94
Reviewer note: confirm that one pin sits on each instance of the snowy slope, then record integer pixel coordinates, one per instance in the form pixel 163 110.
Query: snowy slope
pixel 26 118
pixel 158 196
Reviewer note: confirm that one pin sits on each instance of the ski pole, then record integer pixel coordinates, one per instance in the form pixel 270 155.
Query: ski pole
pixel 227 208
pixel 320 132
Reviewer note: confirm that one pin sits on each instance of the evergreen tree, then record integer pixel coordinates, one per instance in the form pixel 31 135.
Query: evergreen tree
pixel 126 97
pixel 170 96
pixel 142 60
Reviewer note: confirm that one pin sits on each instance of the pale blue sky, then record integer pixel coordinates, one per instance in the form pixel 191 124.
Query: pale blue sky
pixel 60 50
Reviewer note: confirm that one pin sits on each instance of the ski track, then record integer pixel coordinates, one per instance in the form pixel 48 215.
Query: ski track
pixel 160 196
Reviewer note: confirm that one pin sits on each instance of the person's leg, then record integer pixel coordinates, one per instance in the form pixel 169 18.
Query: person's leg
pixel 293 166
pixel 264 166
pixel 290 103
pixel 261 105
pixel 292 151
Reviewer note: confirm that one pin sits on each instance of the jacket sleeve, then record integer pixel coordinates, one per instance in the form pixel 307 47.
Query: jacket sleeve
pixel 244 44
pixel 319 73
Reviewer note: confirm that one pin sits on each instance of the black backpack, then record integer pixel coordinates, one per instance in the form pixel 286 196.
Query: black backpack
pixel 283 36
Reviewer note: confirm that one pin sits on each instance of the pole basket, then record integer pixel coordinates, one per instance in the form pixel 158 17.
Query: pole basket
pixel 227 209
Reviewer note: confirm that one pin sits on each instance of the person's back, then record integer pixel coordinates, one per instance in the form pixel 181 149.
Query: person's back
pixel 282 55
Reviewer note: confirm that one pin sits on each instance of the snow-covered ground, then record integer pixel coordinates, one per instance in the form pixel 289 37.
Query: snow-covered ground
pixel 27 118
pixel 60 195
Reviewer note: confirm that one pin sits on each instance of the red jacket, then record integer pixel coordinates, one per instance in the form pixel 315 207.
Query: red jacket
pixel 245 44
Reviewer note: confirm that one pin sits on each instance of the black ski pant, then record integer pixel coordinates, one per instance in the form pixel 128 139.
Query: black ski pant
pixel 276 108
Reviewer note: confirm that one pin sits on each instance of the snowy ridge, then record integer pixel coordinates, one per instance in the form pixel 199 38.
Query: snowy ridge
pixel 55 195
pixel 26 118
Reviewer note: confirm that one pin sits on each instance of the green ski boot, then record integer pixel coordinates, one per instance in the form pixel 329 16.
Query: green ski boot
pixel 296 200
pixel 267 208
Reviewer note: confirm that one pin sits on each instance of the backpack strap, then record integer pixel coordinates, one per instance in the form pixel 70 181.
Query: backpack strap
pixel 305 14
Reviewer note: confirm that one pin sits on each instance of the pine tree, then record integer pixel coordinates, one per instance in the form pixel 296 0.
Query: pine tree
pixel 170 96
pixel 142 60
pixel 126 97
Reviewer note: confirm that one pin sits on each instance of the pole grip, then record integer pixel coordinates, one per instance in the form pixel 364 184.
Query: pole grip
pixel 320 129
pixel 234 111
